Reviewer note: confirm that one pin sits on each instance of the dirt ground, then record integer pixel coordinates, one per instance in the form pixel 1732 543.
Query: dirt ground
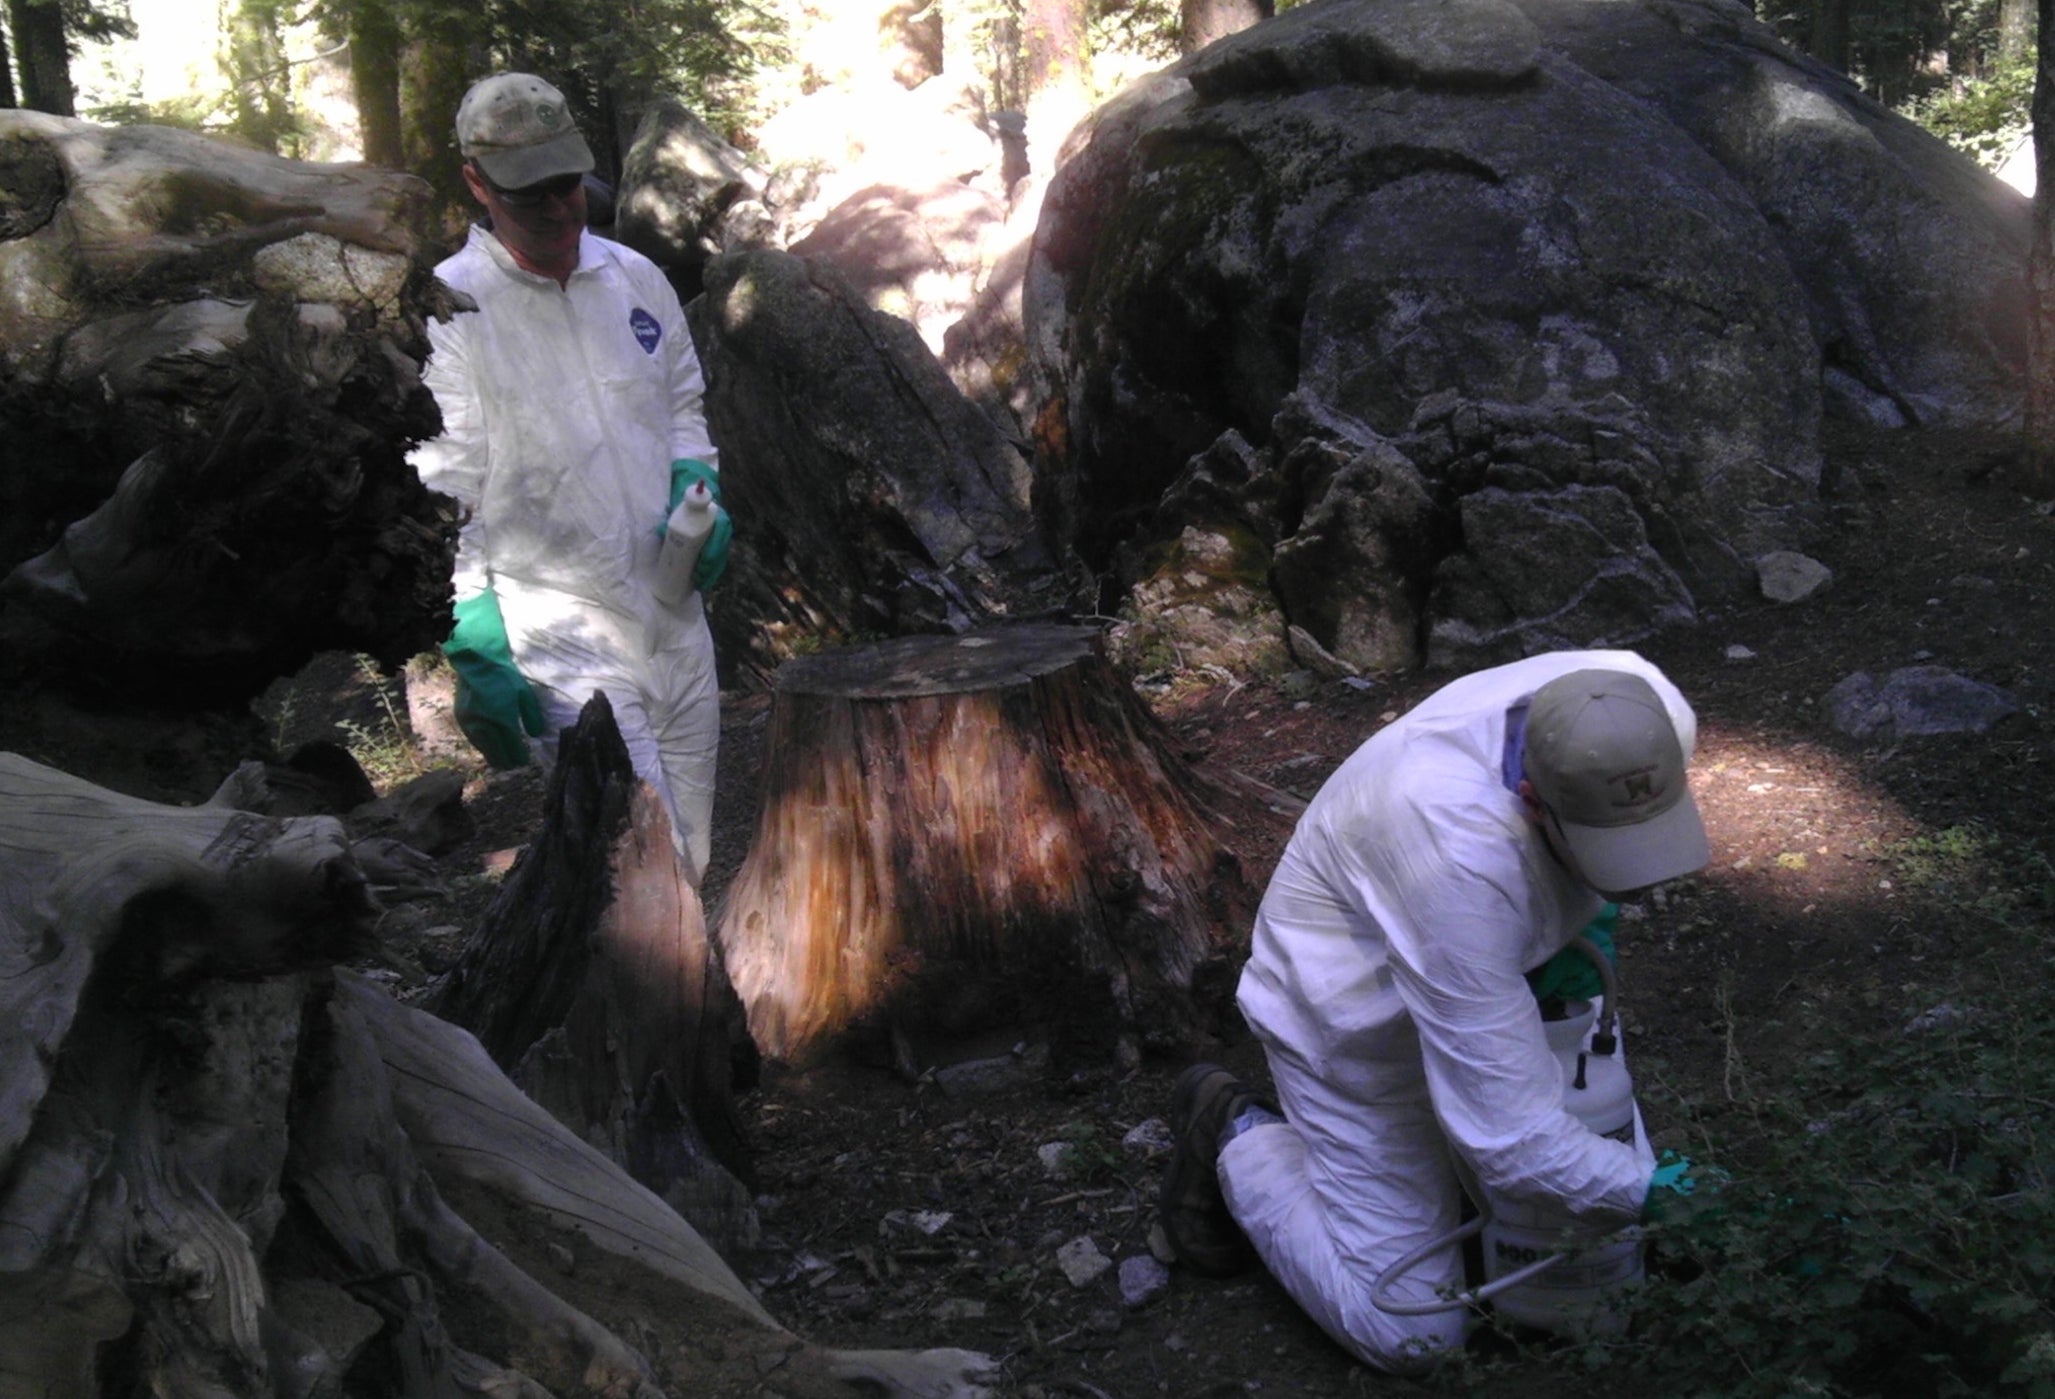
pixel 895 1215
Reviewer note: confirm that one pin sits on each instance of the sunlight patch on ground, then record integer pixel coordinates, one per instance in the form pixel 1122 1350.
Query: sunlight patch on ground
pixel 1793 825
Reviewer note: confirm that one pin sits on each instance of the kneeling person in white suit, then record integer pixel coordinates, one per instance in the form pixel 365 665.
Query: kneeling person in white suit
pixel 1459 849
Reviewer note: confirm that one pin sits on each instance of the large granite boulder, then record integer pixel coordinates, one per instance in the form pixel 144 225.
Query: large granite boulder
pixel 1523 313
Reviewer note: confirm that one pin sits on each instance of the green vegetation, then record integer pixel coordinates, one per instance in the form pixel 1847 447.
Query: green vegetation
pixel 1888 1226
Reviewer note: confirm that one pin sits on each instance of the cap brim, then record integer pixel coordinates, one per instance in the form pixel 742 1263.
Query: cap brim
pixel 1619 858
pixel 531 165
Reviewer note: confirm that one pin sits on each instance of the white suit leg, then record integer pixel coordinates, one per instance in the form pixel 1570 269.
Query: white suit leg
pixel 666 707
pixel 1335 1196
pixel 684 717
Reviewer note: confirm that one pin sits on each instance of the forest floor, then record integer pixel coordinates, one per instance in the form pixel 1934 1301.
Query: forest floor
pixel 1832 911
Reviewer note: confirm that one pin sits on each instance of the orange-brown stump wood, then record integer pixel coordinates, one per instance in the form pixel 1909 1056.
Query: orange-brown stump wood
pixel 969 838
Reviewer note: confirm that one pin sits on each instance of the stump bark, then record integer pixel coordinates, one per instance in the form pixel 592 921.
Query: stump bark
pixel 967 839
pixel 593 983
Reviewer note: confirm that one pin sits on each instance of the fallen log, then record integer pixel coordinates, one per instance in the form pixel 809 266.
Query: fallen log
pixel 226 1169
pixel 209 383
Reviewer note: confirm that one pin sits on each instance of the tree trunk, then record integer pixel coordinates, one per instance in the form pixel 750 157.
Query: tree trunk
pixel 969 839
pixel 594 986
pixel 1828 41
pixel 43 56
pixel 2038 472
pixel 1055 57
pixel 2015 30
pixel 226 1169
pixel 7 97
pixel 1201 22
pixel 374 36
pixel 433 79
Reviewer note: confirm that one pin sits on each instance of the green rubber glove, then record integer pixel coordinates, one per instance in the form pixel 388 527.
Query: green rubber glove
pixel 1680 1189
pixel 1569 975
pixel 713 555
pixel 494 705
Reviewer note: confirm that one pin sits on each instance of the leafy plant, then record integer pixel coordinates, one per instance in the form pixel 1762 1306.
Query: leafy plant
pixel 1887 1227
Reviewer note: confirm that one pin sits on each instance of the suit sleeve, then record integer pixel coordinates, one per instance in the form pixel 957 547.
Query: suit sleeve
pixel 1457 913
pixel 457 462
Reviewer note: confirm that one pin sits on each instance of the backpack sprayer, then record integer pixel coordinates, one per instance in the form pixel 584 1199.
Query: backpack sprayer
pixel 1540 1271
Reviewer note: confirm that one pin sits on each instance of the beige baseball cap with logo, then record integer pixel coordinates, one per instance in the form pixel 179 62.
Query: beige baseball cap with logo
pixel 1602 753
pixel 519 130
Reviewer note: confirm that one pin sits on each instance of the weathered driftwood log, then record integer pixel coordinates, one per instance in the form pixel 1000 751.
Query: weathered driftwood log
pixel 970 836
pixel 209 385
pixel 148 1012
pixel 593 983
pixel 227 1170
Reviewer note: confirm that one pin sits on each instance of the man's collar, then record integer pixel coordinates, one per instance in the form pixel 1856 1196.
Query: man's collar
pixel 486 239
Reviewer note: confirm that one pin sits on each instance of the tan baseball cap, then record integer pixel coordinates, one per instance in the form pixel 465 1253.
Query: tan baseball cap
pixel 1602 753
pixel 519 130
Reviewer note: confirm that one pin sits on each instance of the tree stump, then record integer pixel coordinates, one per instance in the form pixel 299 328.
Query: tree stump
pixel 964 838
pixel 593 984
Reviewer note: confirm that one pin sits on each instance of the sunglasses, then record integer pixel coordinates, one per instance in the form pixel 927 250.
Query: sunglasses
pixel 535 195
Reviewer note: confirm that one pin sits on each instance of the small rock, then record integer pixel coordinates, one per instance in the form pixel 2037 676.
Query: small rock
pixel 957 1309
pixel 1737 652
pixel 928 1222
pixel 976 1078
pixel 1150 1138
pixel 1785 576
pixel 1055 1158
pixel 1300 684
pixel 1103 1321
pixel 1915 702
pixel 1159 1245
pixel 1317 659
pixel 1142 1281
pixel 1936 1018
pixel 1082 1262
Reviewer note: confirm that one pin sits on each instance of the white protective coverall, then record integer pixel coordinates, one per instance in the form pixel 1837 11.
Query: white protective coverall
pixel 563 408
pixel 1386 981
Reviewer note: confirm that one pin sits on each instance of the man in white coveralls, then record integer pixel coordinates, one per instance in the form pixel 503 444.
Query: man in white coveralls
pixel 1457 850
pixel 572 423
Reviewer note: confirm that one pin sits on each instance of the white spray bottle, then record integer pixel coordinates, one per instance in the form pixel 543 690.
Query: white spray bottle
pixel 684 537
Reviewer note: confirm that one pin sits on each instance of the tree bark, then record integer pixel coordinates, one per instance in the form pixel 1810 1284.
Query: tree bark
pixel 433 79
pixel 969 839
pixel 1828 41
pixel 1201 22
pixel 593 984
pixel 2015 30
pixel 374 36
pixel 43 56
pixel 2037 475
pixel 7 97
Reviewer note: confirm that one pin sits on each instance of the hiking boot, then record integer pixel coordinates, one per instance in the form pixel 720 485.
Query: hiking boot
pixel 1193 1212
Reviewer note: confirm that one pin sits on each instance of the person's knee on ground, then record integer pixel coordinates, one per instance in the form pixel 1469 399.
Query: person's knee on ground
pixel 1329 1260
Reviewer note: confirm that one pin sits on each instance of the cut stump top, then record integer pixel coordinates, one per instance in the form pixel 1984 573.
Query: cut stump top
pixel 987 659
